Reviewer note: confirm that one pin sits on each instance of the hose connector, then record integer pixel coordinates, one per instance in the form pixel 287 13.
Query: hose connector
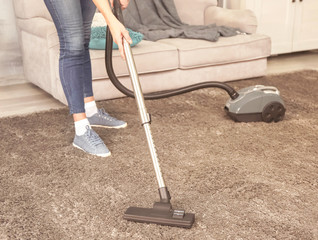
pixel 234 95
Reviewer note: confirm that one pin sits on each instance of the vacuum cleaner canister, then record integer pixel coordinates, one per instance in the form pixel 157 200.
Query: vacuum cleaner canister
pixel 256 103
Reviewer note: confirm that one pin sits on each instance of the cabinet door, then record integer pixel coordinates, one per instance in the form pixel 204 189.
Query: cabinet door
pixel 275 19
pixel 306 25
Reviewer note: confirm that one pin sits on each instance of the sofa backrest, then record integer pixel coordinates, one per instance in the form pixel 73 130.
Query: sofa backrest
pixel 192 11
pixel 31 8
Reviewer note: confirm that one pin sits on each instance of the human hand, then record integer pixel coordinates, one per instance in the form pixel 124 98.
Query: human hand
pixel 119 32
pixel 123 3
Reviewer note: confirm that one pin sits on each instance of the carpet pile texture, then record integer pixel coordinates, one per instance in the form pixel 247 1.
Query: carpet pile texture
pixel 242 180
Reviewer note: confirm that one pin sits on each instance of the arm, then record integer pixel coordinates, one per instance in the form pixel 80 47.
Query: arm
pixel 117 30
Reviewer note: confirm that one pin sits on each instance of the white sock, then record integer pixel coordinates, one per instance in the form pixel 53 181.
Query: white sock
pixel 80 126
pixel 90 108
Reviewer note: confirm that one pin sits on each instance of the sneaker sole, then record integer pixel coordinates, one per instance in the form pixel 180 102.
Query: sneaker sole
pixel 99 155
pixel 116 127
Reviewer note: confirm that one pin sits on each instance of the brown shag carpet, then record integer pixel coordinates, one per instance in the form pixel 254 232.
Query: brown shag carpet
pixel 242 180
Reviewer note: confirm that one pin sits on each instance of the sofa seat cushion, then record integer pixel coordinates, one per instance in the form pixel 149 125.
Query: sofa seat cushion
pixel 200 53
pixel 149 57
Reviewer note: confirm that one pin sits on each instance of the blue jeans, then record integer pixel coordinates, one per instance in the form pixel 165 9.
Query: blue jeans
pixel 73 19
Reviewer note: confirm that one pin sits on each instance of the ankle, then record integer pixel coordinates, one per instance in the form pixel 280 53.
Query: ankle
pixel 79 116
pixel 81 126
pixel 90 108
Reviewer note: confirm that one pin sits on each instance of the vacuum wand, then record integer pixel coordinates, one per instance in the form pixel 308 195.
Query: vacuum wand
pixel 162 212
pixel 145 117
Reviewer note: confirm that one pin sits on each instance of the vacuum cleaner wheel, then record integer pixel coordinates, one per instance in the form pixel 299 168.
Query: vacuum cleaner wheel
pixel 273 111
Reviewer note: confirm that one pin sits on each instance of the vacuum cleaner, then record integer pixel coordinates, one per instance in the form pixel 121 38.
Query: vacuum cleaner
pixel 256 103
pixel 252 104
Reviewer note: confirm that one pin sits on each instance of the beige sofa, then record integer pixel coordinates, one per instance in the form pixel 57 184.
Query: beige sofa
pixel 162 65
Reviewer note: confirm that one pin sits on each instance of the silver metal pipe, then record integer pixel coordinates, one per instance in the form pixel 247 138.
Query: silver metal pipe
pixel 145 117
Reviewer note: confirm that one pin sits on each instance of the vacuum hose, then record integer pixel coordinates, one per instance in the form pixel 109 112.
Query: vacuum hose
pixel 155 95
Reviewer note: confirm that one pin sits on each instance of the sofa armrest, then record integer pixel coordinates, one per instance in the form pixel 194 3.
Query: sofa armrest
pixel 26 9
pixel 245 20
pixel 41 28
pixel 192 11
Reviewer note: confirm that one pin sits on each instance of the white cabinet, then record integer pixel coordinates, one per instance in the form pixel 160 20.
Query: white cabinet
pixel 291 24
pixel 306 25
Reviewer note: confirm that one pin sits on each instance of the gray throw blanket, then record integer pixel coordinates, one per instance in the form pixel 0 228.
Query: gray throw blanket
pixel 157 19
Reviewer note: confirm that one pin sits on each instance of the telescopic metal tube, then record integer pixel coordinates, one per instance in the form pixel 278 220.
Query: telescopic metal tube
pixel 145 117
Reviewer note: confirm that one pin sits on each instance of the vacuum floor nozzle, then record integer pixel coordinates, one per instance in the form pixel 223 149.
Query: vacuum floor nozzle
pixel 162 214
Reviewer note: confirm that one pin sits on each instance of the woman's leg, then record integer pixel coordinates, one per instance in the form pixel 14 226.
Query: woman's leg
pixel 68 19
pixel 96 117
pixel 88 9
pixel 67 16
pixel 88 12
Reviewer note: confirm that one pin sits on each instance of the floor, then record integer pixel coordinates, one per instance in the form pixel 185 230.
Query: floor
pixel 19 97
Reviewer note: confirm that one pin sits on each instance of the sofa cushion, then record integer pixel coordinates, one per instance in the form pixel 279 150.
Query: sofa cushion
pixel 98 38
pixel 149 57
pixel 199 53
pixel 192 11
pixel 243 19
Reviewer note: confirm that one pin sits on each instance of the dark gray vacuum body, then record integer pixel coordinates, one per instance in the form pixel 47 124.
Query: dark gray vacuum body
pixel 256 103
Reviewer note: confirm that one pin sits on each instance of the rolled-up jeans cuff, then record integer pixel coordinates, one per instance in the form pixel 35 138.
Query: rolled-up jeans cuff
pixel 88 95
pixel 77 110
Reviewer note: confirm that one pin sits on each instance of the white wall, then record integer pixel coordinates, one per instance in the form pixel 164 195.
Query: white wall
pixel 10 55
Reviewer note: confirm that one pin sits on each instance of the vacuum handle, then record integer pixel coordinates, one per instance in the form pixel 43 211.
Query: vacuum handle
pixel 117 11
pixel 265 89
